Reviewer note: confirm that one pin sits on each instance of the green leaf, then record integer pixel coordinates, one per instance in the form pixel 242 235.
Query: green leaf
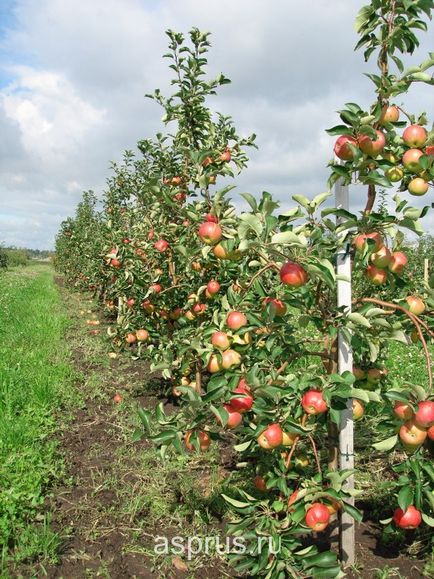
pixel 428 520
pixel 235 503
pixel 248 223
pixel 302 200
pixel 355 513
pixel 387 444
pixel 358 319
pixel 405 497
pixel 287 238
pixel 250 200
pixel 144 416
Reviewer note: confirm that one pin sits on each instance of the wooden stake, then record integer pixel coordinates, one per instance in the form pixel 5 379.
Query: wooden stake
pixel 345 362
pixel 426 270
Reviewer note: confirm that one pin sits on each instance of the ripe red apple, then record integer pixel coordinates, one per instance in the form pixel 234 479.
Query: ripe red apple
pixel 411 158
pixel 271 437
pixel 317 517
pixel 358 409
pixel 430 432
pixel 370 146
pixel 156 288
pixel 151 234
pixel 236 320
pixel 176 180
pixel 211 218
pixel 235 418
pixel 210 233
pixel 403 410
pixel 376 275
pixel 313 402
pixel 293 274
pixel 245 402
pixel 260 483
pixel 342 148
pixel 359 374
pixel 292 499
pixel 226 156
pixel 360 241
pixel 207 161
pixel 213 287
pixel 220 340
pixel 130 302
pixel 231 358
pixel 161 245
pixel 180 196
pixel 424 415
pixel 117 398
pixel 130 338
pixel 142 335
pixel 148 306
pixel 115 263
pixel 415 305
pixel 126 240
pixel 412 435
pixel 203 437
pixel 374 375
pixel 277 307
pixel 398 262
pixel 410 519
pixel 382 257
pixel 414 136
pixel 429 150
pixel 418 186
pixel 389 114
pixel 199 309
pixel 175 314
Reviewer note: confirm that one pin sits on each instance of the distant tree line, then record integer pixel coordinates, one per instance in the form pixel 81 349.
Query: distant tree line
pixel 17 256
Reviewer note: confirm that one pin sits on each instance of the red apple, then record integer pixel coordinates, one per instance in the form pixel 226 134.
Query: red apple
pixel 115 263
pixel 175 314
pixel 176 180
pixel 245 402
pixel 429 150
pixel 148 306
pixel 370 146
pixel 151 234
pixel 313 402
pixel 203 437
pixel 131 338
pixel 414 136
pixel 411 158
pixel 213 287
pixel 418 186
pixel 210 233
pixel 374 375
pixel 389 114
pixel 161 245
pixel 117 398
pixel 382 257
pixel 211 218
pixel 130 302
pixel 403 410
pixel 398 262
pixel 342 148
pixel 236 320
pixel 317 517
pixel 277 307
pixel 231 358
pixel 156 288
pixel 142 335
pixel 412 435
pixel 424 415
pixel 360 241
pixel 235 418
pixel 415 305
pixel 376 275
pixel 410 519
pixel 359 374
pixel 430 432
pixel 271 437
pixel 226 156
pixel 199 309
pixel 220 340
pixel 293 274
pixel 260 483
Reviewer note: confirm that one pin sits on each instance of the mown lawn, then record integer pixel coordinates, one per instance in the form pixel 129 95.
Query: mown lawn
pixel 35 383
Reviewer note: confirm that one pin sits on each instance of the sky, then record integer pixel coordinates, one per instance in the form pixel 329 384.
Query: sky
pixel 73 75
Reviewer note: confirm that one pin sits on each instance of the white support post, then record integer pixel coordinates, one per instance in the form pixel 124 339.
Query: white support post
pixel 345 362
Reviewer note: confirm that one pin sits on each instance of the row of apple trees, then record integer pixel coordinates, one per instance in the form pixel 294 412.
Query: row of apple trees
pixel 238 309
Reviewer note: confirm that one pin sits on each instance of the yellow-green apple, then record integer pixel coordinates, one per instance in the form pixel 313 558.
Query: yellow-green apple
pixel 271 437
pixel 293 274
pixel 411 159
pixel 203 439
pixel 289 438
pixel 415 305
pixel 313 402
pixel 418 186
pixel 358 409
pixel 414 136
pixel 221 253
pixel 236 320
pixel 220 340
pixel 408 519
pixel 394 174
pixel 317 517
pixel 398 262
pixel 382 257
pixel 210 233
pixel 342 148
pixel 376 275
pixel 372 147
pixel 424 415
pixel 403 410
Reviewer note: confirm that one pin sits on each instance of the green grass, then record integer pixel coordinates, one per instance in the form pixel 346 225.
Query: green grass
pixel 35 383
